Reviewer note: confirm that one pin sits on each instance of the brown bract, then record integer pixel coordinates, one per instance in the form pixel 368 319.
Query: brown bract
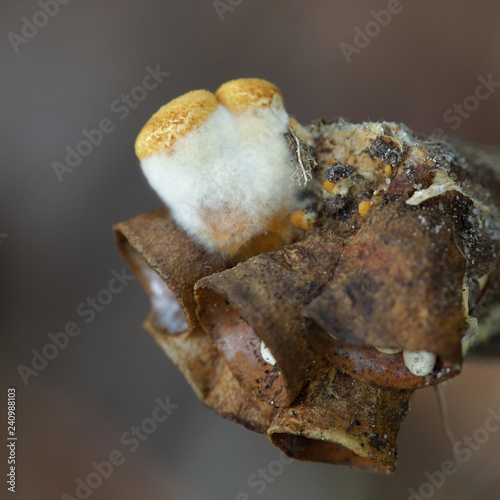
pixel 371 365
pixel 340 420
pixel 155 248
pixel 398 283
pixel 261 300
pixel 401 253
pixel 178 260
pixel 419 270
pixel 153 243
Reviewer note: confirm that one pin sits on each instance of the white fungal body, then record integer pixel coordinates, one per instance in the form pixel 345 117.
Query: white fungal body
pixel 420 363
pixel 168 312
pixel 266 354
pixel 388 350
pixel 226 179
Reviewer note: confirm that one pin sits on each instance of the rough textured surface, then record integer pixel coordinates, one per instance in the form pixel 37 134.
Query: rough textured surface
pixel 420 270
pixel 154 241
pixel 398 284
pixel 171 253
pixel 173 121
pixel 398 247
pixel 262 300
pixel 369 364
pixel 239 95
pixel 309 264
pixel 336 409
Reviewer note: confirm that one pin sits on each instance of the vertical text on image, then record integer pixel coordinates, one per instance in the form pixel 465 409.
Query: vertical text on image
pixel 11 439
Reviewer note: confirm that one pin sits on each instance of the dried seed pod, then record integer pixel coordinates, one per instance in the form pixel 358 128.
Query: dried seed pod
pixel 167 263
pixel 416 271
pixel 231 402
pixel 198 360
pixel 399 279
pixel 256 307
pixel 390 291
pixel 398 282
pixel 385 369
pixel 340 420
pixel 480 237
pixel 179 262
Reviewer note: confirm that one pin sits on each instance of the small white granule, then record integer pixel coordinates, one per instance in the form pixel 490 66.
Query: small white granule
pixel 266 354
pixel 420 363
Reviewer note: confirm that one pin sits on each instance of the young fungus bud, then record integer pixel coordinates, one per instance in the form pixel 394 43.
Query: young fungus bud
pixel 420 363
pixel 221 162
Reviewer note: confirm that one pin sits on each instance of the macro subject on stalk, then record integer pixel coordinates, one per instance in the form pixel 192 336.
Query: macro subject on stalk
pixel 306 279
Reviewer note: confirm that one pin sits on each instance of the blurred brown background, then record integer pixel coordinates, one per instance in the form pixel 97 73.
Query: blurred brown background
pixel 57 249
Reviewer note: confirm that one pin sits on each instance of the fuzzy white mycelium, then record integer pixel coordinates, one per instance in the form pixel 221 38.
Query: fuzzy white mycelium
pixel 221 162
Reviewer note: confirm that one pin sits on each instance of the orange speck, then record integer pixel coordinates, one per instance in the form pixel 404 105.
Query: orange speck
pixel 302 220
pixel 328 186
pixel 296 218
pixel 331 160
pixel 388 171
pixel 364 208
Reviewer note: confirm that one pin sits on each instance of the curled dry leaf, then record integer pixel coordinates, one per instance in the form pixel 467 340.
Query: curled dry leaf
pixel 340 420
pixel 371 279
pixel 166 261
pixel 261 300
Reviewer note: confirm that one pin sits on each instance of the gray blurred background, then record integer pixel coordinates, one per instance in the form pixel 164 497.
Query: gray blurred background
pixel 57 248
